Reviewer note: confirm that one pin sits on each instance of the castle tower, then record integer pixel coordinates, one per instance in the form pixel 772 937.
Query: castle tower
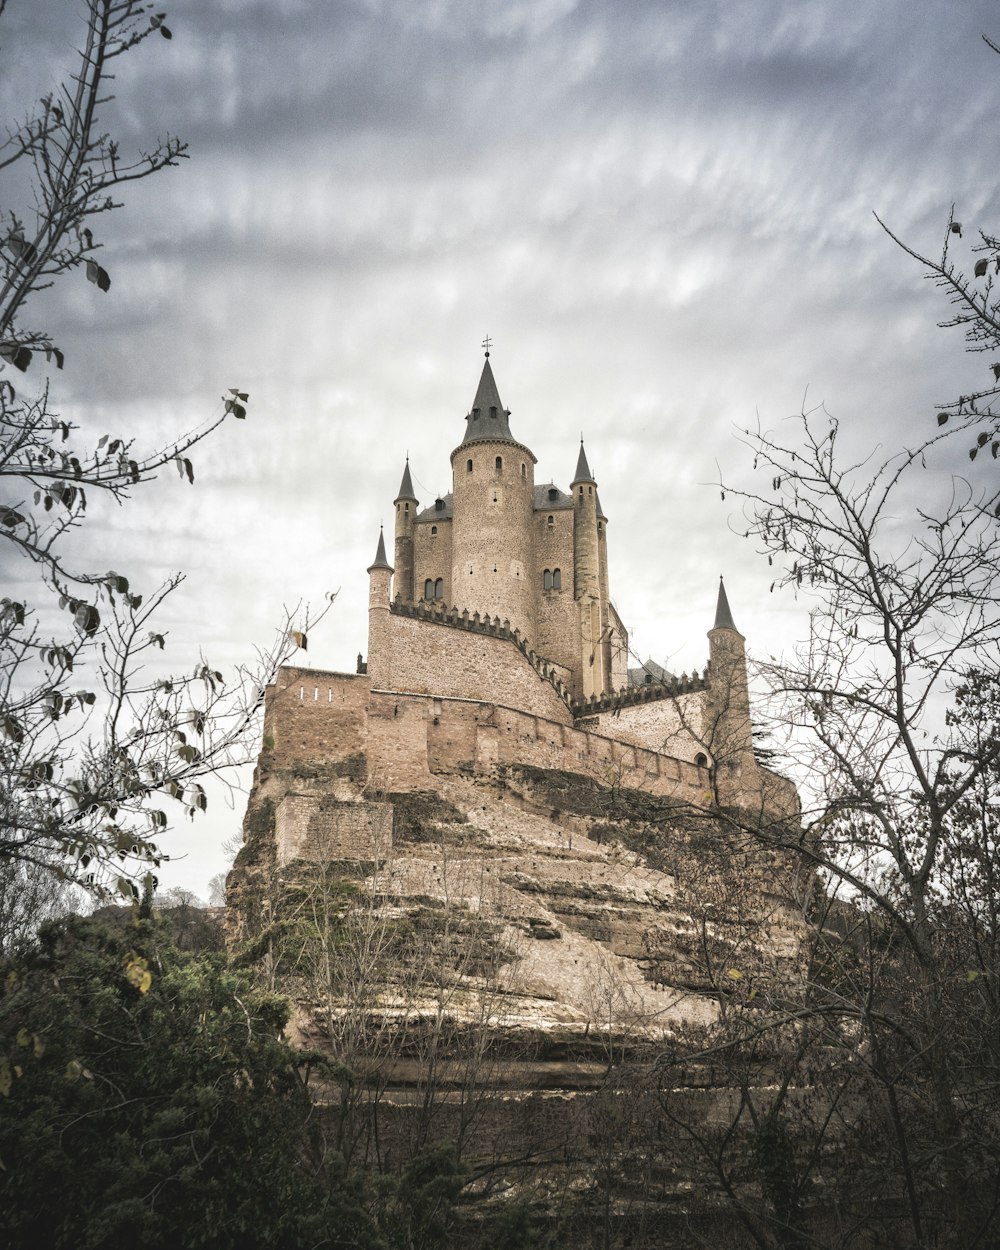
pixel 379 649
pixel 493 483
pixel 406 512
pixel 727 730
pixel 587 580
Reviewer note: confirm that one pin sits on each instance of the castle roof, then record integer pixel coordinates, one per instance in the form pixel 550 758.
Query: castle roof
pixel 600 510
pixel 406 486
pixel 551 499
pixel 649 673
pixel 723 616
pixel 583 473
pixel 487 422
pixel 440 510
pixel 380 562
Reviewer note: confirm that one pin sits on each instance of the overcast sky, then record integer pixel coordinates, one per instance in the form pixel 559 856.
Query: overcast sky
pixel 662 214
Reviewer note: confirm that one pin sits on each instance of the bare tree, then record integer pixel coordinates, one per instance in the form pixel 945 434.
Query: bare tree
pixel 93 739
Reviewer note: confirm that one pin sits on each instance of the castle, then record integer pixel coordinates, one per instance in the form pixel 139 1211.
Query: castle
pixel 493 641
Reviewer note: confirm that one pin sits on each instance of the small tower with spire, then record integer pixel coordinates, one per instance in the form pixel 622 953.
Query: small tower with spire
pixel 379 640
pixel 493 485
pixel 587 581
pixel 727 730
pixel 406 514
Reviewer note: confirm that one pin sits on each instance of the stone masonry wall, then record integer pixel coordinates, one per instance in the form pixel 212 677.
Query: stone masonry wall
pixel 428 658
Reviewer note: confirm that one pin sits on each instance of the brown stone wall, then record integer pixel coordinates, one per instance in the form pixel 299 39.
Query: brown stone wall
pixel 493 557
pixel 312 827
pixel 427 658
pixel 672 725
pixel 432 556
pixel 557 616
pixel 315 715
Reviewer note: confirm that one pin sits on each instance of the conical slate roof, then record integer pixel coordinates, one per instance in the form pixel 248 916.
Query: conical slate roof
pixel 488 419
pixel 723 616
pixel 406 486
pixel 583 473
pixel 380 562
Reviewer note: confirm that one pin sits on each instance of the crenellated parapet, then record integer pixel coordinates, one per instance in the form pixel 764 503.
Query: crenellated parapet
pixel 631 696
pixel 473 622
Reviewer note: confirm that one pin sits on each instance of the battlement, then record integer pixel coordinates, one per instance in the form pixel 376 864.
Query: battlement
pixel 491 626
pixel 631 696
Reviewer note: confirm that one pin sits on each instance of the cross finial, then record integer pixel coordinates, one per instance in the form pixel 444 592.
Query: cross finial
pixel 486 344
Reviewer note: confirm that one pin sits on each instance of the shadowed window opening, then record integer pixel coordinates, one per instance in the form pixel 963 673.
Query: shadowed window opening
pixel 468 466
pixel 499 465
pixel 550 521
pixel 556 579
pixel 429 589
pixel 701 760
pixel 439 588
pixel 434 529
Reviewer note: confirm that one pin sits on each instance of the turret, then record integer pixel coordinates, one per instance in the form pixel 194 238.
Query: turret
pixel 492 555
pixel 379 621
pixel 406 513
pixel 587 580
pixel 728 731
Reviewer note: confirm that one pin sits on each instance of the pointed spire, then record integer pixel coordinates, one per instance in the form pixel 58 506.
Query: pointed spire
pixel 406 486
pixel 380 561
pixel 597 501
pixel 488 418
pixel 723 616
pixel 583 473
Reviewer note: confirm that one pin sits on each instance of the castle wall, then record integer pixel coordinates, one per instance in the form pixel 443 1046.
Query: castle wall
pixel 557 613
pixel 673 725
pixel 493 558
pixel 619 649
pixel 427 658
pixel 432 556
pixel 332 727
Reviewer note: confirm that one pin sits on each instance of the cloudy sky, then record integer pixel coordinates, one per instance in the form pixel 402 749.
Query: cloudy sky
pixel 661 212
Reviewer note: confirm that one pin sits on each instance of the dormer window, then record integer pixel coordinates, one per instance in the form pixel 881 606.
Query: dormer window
pixel 439 505
pixel 493 411
pixel 553 494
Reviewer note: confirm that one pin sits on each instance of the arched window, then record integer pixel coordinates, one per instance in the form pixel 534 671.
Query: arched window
pixel 434 529
pixel 524 471
pixel 547 580
pixel 429 589
pixel 499 465
pixel 439 588
pixel 556 579
pixel 468 466
pixel 600 528
pixel 406 507
pixel 550 521
pixel 701 760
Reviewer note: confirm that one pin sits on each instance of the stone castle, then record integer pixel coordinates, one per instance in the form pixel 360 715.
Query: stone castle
pixel 497 712
pixel 496 857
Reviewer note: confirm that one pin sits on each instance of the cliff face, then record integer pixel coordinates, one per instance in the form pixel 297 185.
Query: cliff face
pixel 616 908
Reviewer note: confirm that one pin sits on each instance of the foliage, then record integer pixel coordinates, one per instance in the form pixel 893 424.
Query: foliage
pixel 976 299
pixel 152 1092
pixel 94 746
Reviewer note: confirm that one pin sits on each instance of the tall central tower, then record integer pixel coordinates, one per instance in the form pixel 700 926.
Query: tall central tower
pixel 493 483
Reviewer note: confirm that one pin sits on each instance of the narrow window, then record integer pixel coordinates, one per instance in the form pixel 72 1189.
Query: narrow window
pixel 429 589
pixel 524 471
pixel 550 521
pixel 581 492
pixel 493 411
pixel 406 507
pixel 701 760
pixel 434 529
pixel 499 465
pixel 547 580
pixel 556 579
pixel 468 466
pixel 600 528
pixel 439 588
